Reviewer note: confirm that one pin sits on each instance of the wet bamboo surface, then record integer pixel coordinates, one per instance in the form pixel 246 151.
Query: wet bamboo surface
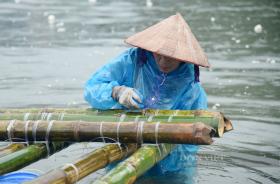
pixel 136 165
pixel 125 132
pixel 26 156
pixel 10 148
pixel 214 119
pixel 87 164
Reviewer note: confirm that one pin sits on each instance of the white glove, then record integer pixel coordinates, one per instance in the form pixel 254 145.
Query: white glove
pixel 126 96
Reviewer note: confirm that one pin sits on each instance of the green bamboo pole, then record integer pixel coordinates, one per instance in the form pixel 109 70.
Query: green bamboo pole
pixel 26 156
pixel 214 119
pixel 136 165
pixel 125 132
pixel 10 148
pixel 87 164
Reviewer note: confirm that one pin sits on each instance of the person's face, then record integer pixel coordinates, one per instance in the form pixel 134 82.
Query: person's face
pixel 166 64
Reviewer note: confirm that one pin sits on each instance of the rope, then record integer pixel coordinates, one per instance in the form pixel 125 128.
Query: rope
pixel 77 173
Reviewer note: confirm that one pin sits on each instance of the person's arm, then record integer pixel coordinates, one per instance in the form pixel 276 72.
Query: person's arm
pixel 201 101
pixel 98 89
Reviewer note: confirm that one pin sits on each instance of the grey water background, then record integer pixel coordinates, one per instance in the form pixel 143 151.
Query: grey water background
pixel 46 65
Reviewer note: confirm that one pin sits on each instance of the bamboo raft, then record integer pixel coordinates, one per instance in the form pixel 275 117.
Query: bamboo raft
pixel 32 130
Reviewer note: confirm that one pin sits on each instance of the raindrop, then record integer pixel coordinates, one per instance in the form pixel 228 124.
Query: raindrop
pixel 213 19
pixel 237 41
pixel 92 1
pixel 51 19
pixel 258 28
pixel 60 24
pixel 17 1
pixel 247 46
pixel 61 30
pixel 255 62
pixel 149 3
pixel 46 14
pixel 272 61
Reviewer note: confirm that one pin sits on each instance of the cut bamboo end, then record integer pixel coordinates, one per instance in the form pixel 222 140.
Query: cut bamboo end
pixel 26 156
pixel 204 133
pixel 228 125
pixel 11 148
pixel 221 127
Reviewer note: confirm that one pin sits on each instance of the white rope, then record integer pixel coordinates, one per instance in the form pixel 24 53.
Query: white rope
pixel 136 119
pixel 118 129
pixel 122 117
pixel 25 118
pixel 141 131
pixel 156 137
pixel 26 132
pixel 101 132
pixel 34 130
pixel 9 129
pixel 47 136
pixel 150 118
pixel 61 116
pixel 77 173
pixel 49 116
pixel 170 118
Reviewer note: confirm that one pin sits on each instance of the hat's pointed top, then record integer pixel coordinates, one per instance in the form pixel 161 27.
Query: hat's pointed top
pixel 171 37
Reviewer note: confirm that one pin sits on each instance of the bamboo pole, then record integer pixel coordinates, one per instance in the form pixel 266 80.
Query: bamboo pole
pixel 26 156
pixel 214 119
pixel 11 148
pixel 125 132
pixel 136 165
pixel 91 162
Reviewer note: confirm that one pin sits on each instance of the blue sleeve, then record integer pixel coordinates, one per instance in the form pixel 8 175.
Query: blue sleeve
pixel 201 102
pixel 98 89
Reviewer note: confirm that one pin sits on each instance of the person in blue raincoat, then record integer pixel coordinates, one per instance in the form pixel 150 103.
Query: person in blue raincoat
pixel 161 71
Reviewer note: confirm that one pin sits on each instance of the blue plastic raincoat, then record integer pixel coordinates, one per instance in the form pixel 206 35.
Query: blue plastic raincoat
pixel 137 68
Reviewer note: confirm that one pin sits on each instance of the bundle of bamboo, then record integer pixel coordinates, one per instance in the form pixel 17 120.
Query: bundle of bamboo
pixel 97 159
pixel 28 155
pixel 214 119
pixel 141 161
pixel 145 126
pixel 125 132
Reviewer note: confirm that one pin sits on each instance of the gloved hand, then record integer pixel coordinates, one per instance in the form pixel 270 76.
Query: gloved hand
pixel 127 97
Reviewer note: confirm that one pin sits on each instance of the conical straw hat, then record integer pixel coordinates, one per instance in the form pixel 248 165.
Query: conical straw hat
pixel 172 37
